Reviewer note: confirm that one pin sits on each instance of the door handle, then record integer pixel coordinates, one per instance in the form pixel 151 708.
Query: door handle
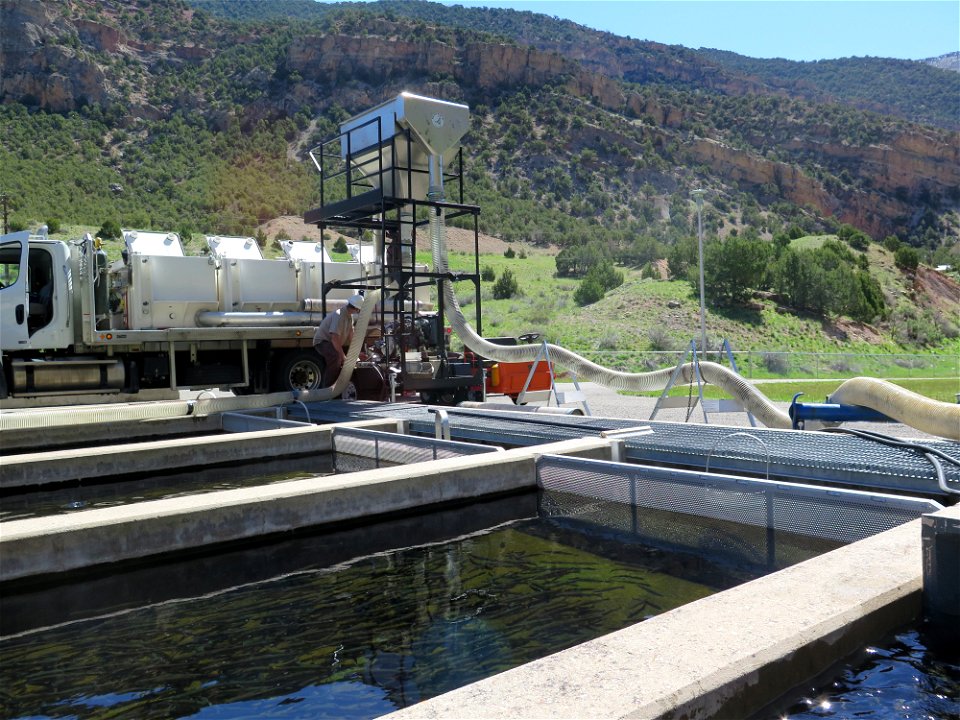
pixel 20 314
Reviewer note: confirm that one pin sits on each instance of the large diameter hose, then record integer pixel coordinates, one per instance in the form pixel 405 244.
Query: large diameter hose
pixel 748 396
pixel 923 413
pixel 370 302
pixel 930 416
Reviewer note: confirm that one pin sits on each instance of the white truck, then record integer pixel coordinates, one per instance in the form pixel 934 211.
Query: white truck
pixel 76 328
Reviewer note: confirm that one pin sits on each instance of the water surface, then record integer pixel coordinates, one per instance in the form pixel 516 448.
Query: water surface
pixel 352 624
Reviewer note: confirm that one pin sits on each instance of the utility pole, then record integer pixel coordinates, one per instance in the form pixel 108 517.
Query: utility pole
pixel 698 196
pixel 4 198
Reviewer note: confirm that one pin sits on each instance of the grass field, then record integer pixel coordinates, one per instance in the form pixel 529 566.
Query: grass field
pixel 944 389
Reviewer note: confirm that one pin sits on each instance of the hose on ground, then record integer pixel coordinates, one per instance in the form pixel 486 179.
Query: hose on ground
pixel 370 302
pixel 930 416
pixel 754 401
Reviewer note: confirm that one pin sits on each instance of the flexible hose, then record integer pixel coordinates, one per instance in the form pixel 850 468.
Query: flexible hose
pixel 60 417
pixel 923 413
pixel 748 396
pixel 930 416
pixel 370 302
pixel 934 455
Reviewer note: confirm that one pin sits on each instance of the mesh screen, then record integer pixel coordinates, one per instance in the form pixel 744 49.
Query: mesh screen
pixel 805 510
pixel 357 449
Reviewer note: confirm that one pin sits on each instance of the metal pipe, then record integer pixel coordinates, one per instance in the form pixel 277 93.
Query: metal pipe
pixel 698 194
pixel 210 318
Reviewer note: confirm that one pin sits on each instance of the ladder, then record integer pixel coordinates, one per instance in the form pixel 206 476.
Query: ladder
pixel 713 406
pixel 561 398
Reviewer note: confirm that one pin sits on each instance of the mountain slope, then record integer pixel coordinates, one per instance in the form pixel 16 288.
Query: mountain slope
pixel 207 119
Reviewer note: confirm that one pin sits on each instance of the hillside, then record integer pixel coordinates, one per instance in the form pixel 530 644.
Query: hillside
pixel 950 61
pixel 196 116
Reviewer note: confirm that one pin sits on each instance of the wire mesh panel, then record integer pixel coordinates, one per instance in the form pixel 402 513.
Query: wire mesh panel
pixel 806 510
pixel 356 449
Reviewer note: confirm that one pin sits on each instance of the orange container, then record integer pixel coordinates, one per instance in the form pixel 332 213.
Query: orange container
pixel 509 378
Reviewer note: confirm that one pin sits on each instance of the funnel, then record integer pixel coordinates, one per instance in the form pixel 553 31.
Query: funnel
pixel 435 126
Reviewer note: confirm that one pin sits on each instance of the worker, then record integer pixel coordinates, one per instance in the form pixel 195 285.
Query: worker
pixel 333 337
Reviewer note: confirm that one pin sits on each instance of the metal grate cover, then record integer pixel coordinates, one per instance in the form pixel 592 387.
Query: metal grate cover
pixel 834 514
pixel 784 454
pixel 357 449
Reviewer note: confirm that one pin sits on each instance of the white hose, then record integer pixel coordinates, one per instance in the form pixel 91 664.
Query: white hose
pixel 930 416
pixel 923 413
pixel 202 406
pixel 761 407
pixel 370 302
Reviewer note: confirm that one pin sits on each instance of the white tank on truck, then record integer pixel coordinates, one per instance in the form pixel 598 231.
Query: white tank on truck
pixel 75 328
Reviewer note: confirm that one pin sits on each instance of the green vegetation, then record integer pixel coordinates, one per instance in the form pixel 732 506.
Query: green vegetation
pixel 943 389
pixel 212 138
pixel 636 317
pixel 826 280
pixel 903 87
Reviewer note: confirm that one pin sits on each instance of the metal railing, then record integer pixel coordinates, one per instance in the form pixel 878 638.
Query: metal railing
pixel 840 515
pixel 357 449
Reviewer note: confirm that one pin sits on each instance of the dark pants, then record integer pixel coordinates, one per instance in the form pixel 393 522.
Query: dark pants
pixel 331 360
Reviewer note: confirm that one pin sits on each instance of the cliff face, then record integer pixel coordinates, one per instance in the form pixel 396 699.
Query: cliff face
pixel 40 69
pixel 912 163
pixel 60 61
pixel 53 76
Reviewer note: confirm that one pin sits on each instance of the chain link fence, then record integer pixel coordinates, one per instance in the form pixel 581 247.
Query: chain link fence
pixel 754 364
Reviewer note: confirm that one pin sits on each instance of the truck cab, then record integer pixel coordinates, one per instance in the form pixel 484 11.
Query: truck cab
pixel 35 302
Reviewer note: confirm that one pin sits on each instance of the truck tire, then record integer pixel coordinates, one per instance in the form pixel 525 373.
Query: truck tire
pixel 451 397
pixel 300 370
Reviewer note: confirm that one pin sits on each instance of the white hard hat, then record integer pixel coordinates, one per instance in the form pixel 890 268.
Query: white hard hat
pixel 356 301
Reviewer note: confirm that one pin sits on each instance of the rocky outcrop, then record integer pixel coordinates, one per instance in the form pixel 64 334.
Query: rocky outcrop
pixel 876 213
pixel 97 35
pixel 332 59
pixel 742 167
pixel 668 117
pixel 911 161
pixel 37 70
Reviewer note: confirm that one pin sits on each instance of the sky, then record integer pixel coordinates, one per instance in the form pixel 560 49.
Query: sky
pixel 791 29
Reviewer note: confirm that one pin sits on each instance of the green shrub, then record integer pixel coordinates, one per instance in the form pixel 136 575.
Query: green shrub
pixel 509 253
pixel 660 339
pixel 488 274
pixel 340 246
pixel 588 291
pixel 110 230
pixel 506 287
pixel 906 258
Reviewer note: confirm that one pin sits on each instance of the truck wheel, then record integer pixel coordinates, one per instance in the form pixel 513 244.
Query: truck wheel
pixel 300 371
pixel 444 397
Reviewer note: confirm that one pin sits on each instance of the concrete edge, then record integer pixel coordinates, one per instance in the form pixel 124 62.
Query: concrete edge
pixel 56 466
pixel 48 545
pixel 726 655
